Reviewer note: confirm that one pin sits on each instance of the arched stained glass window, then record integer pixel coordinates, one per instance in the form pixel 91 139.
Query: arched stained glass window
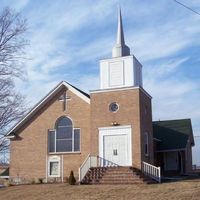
pixel 64 138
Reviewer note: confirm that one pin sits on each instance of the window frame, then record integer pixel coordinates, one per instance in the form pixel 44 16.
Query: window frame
pixel 110 107
pixel 146 144
pixel 65 152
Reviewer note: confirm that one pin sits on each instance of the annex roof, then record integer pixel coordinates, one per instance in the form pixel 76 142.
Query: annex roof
pixel 173 134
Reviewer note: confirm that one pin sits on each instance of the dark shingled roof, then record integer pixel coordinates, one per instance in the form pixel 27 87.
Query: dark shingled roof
pixel 173 134
pixel 81 91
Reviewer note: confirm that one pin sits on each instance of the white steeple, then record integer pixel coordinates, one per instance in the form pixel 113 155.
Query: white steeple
pixel 120 49
pixel 122 70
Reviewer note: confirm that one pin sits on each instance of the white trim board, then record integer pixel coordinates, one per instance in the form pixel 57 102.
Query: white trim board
pixel 114 127
pixel 101 140
pixel 121 89
pixel 44 100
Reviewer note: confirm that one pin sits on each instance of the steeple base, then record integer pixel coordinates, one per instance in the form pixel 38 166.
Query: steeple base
pixel 119 51
pixel 125 71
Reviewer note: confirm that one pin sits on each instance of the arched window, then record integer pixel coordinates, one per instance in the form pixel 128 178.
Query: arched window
pixel 64 138
pixel 64 134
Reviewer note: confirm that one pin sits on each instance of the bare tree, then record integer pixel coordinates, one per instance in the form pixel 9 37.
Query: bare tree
pixel 12 44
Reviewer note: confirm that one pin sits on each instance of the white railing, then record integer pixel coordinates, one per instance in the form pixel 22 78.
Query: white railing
pixel 94 161
pixel 152 171
pixel 4 177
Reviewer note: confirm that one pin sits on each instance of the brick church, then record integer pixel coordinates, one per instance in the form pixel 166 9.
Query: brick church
pixel 110 127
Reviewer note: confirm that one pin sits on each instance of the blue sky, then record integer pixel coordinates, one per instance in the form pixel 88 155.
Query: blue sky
pixel 67 39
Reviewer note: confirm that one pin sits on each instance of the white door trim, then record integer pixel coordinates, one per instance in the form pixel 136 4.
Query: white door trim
pixel 102 134
pixel 114 127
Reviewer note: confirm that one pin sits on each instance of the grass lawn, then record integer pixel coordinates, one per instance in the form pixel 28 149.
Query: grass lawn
pixel 188 189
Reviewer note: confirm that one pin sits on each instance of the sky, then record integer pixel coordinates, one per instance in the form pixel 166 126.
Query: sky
pixel 68 38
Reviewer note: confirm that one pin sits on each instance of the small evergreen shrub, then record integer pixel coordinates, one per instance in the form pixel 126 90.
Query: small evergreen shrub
pixel 72 180
pixel 40 180
pixel 9 183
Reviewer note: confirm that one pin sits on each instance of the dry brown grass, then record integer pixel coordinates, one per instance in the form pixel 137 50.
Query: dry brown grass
pixel 182 190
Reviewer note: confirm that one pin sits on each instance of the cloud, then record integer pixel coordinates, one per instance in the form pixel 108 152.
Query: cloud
pixel 152 43
pixel 164 68
pixel 17 5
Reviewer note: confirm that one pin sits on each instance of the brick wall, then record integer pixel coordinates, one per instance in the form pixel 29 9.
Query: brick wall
pixel 29 152
pixel 131 112
pixel 146 126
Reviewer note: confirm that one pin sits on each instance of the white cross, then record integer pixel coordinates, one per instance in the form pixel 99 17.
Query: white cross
pixel 64 98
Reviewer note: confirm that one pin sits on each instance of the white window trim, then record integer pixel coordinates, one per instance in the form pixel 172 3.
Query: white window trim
pixel 51 160
pixel 65 152
pixel 146 143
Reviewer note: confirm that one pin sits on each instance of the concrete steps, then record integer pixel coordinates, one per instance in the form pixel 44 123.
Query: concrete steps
pixel 115 175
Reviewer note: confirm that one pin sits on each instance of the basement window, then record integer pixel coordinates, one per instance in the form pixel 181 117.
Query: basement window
pixel 54 166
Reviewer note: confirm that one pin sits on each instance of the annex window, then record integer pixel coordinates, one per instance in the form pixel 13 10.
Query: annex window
pixel 146 145
pixel 64 138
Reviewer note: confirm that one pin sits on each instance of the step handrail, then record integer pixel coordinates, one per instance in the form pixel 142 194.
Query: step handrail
pixel 106 163
pixel 94 161
pixel 152 171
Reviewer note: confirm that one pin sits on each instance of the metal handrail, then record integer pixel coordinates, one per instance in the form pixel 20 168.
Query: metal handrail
pixel 94 161
pixel 106 163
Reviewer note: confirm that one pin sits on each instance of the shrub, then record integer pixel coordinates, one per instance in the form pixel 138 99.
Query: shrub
pixel 40 180
pixel 72 180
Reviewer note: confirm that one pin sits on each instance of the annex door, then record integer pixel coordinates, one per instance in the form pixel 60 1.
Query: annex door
pixel 171 161
pixel 115 145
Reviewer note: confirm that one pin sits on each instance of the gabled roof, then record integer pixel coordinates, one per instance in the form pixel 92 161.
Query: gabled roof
pixel 173 134
pixel 44 100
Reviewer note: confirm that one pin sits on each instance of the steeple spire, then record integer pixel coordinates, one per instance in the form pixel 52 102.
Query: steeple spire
pixel 120 49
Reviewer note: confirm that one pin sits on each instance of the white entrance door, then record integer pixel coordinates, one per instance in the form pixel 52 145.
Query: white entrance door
pixel 115 144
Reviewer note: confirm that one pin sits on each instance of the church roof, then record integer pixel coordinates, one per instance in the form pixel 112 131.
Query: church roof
pixel 42 102
pixel 81 91
pixel 173 134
